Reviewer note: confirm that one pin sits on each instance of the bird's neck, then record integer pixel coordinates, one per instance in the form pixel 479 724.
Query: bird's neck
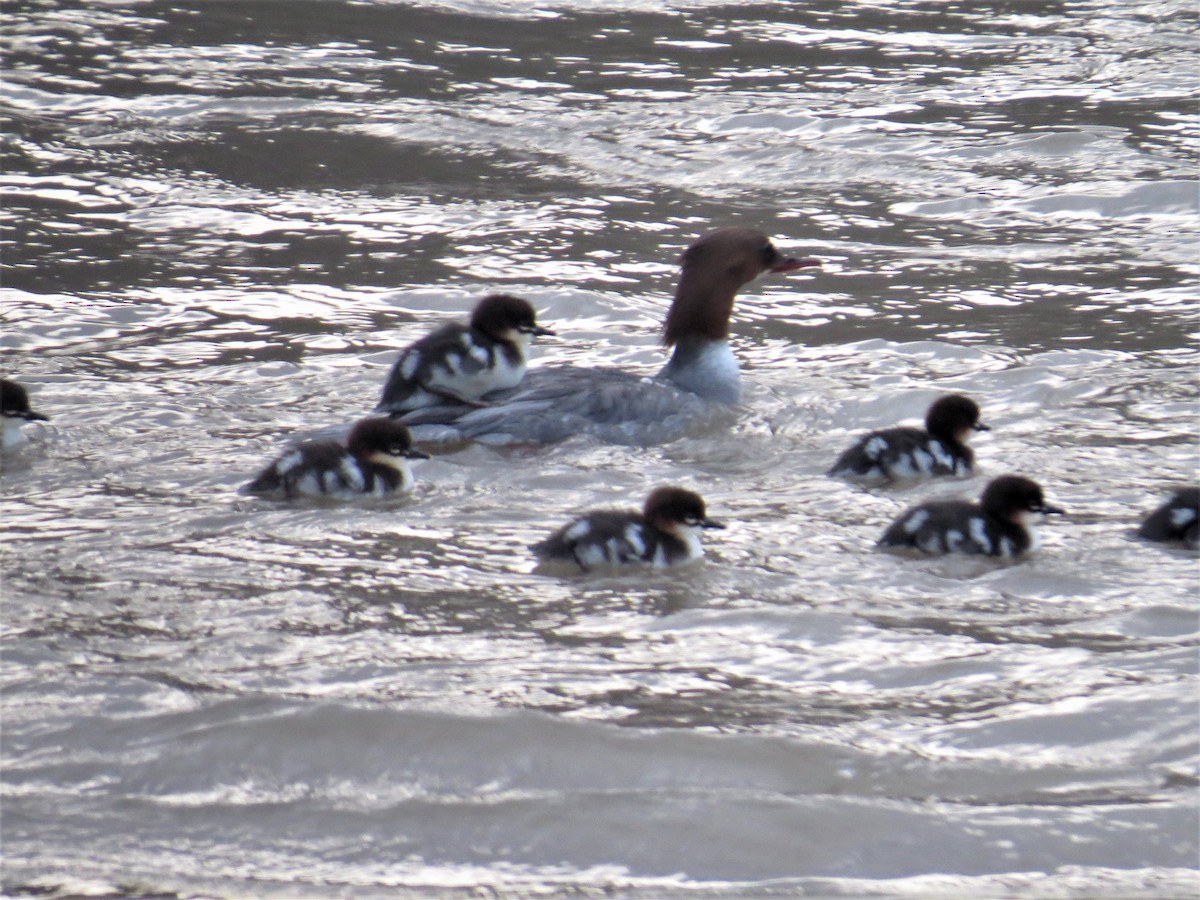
pixel 704 367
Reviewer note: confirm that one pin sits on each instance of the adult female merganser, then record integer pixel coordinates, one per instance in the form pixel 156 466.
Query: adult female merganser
pixel 1175 522
pixel 553 403
pixel 461 363
pixel 665 533
pixel 892 453
pixel 996 526
pixel 373 462
pixel 16 411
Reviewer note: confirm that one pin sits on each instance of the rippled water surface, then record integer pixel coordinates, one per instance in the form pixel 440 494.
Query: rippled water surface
pixel 224 218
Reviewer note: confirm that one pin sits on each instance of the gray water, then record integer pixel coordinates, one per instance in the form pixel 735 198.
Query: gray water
pixel 223 219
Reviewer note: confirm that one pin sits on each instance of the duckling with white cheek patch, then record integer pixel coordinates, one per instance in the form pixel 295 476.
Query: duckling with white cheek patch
pixel 996 526
pixel 461 363
pixel 665 533
pixel 372 463
pixel 911 453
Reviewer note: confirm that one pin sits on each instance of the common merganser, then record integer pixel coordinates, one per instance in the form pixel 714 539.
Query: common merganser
pixel 373 462
pixel 463 362
pixel 1175 522
pixel 14 405
pixel 997 526
pixel 555 402
pixel 912 453
pixel 665 533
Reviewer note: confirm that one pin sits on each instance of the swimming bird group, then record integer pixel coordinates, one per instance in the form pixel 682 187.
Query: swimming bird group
pixel 469 382
pixel 553 403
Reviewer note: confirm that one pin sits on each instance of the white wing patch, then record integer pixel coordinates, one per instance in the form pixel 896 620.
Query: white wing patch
pixel 289 461
pixel 940 455
pixel 1183 516
pixel 351 475
pixel 633 537
pixel 475 351
pixel 408 365
pixel 977 528
pixel 875 447
pixel 915 521
pixel 578 530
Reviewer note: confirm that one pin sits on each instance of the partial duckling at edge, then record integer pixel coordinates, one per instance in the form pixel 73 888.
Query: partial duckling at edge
pixel 16 411
pixel 1175 522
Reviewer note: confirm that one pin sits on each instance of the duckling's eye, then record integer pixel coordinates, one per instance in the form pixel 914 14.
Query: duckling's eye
pixel 769 254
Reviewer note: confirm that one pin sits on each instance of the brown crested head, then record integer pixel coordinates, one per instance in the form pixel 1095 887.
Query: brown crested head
pixel 1009 497
pixel 381 435
pixel 953 417
pixel 497 314
pixel 666 507
pixel 715 266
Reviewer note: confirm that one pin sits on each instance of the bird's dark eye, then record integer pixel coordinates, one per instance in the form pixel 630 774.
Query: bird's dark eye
pixel 768 254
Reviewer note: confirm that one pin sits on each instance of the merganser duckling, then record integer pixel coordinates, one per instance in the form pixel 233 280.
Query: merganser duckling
pixel 938 450
pixel 462 363
pixel 555 402
pixel 14 404
pixel 665 533
pixel 1176 521
pixel 996 526
pixel 373 462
